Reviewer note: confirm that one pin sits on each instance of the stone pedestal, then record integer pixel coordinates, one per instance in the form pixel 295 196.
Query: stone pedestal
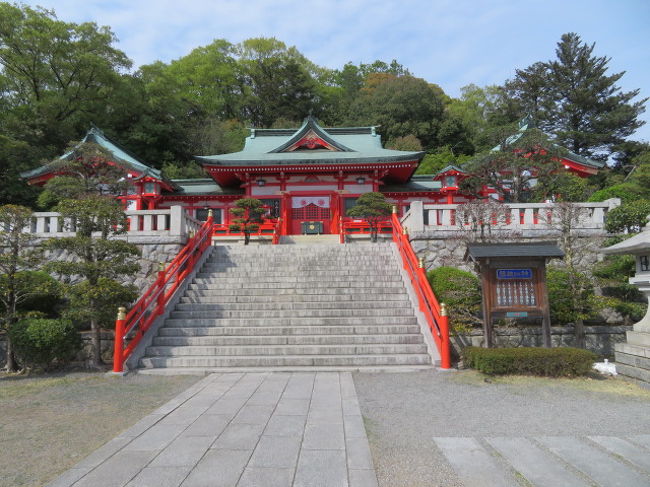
pixel 633 357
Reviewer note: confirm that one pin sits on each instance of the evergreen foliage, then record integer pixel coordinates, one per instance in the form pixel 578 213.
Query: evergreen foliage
pixel 18 256
pixel 40 342
pixel 545 362
pixel 373 208
pixel 629 217
pixel 249 214
pixel 461 292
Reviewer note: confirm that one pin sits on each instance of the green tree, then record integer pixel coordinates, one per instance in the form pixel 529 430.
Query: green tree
pixel 373 208
pixel 276 82
pixel 56 75
pixel 97 259
pixel 18 255
pixel 461 292
pixel 572 298
pixel 402 105
pixel 87 169
pixel 249 214
pixel 629 217
pixel 520 161
pixel 574 98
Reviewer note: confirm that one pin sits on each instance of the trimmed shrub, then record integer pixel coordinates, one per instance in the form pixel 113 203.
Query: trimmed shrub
pixel 41 342
pixel 546 362
pixel 461 292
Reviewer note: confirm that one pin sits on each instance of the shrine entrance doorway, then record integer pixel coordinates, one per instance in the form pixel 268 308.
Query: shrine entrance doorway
pixel 310 215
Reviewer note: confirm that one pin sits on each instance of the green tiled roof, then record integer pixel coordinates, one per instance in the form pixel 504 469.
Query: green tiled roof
pixel 354 144
pixel 201 186
pixel 96 136
pixel 527 122
pixel 412 185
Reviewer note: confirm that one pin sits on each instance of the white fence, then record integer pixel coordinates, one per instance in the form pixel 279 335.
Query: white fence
pixel 172 222
pixel 518 216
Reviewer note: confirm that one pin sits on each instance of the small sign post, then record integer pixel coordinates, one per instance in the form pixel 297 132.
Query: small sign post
pixel 513 281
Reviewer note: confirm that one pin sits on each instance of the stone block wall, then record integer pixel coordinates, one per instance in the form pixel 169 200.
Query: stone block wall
pixel 444 248
pixel 599 339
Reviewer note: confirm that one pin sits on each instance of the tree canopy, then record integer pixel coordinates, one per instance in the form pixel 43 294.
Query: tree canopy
pixel 58 77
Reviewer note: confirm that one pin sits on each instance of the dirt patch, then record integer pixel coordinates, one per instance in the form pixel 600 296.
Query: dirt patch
pixel 49 423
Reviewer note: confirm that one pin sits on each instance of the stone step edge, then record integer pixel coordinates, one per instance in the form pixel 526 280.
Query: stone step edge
pixel 286 368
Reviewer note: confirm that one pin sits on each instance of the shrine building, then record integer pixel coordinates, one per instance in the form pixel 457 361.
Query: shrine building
pixel 310 174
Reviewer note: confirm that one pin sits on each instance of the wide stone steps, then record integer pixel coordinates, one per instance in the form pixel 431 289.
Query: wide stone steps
pixel 210 303
pixel 304 331
pixel 235 272
pixel 202 313
pixel 297 278
pixel 215 297
pixel 283 350
pixel 331 321
pixel 233 340
pixel 295 285
pixel 214 290
pixel 292 307
pixel 288 361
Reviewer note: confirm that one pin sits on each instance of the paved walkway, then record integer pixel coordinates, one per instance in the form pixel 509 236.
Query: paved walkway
pixel 549 461
pixel 253 429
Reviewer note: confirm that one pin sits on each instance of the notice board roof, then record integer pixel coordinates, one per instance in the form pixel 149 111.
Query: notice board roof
pixel 533 249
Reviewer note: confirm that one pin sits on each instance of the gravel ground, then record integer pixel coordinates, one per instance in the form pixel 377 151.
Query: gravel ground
pixel 403 412
pixel 50 422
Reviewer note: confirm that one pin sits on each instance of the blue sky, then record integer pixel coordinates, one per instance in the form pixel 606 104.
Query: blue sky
pixel 448 42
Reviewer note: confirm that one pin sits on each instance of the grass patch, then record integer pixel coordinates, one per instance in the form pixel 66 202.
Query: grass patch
pixel 53 421
pixel 592 383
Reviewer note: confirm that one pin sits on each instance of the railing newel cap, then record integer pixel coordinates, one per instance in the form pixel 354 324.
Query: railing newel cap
pixel 121 313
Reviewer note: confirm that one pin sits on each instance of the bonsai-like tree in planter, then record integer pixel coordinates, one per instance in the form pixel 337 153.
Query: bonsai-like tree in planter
pixel 249 214
pixel 373 208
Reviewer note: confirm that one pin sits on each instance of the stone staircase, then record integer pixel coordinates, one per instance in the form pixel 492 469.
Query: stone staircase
pixel 292 307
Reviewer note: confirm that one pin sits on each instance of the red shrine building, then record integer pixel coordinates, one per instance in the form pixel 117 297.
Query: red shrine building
pixel 310 174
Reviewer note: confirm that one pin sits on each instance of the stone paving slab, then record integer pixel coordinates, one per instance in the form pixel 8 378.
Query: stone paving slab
pixel 549 461
pixel 241 430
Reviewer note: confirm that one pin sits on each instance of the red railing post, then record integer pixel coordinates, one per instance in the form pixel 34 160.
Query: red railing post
pixel 160 284
pixel 120 322
pixel 445 344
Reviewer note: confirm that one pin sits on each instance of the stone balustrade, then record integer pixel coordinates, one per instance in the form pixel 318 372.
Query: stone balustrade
pixel 173 222
pixel 518 216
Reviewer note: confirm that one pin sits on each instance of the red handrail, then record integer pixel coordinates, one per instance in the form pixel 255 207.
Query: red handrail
pixel 362 227
pixel 132 326
pixel 277 231
pixel 434 313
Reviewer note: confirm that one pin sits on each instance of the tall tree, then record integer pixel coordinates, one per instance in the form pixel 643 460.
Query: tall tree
pixel 55 74
pixel 276 82
pixel 97 261
pixel 402 105
pixel 574 98
pixel 592 114
pixel 18 255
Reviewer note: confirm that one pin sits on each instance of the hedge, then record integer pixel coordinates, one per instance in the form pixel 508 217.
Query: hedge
pixel 41 342
pixel 547 362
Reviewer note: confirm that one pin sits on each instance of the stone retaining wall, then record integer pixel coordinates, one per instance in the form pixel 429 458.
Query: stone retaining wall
pixel 599 339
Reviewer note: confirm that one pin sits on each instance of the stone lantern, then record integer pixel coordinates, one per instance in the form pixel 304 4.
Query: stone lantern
pixel 633 357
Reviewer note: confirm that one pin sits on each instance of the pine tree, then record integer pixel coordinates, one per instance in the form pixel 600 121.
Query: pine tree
pixel 591 114
pixel 575 99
